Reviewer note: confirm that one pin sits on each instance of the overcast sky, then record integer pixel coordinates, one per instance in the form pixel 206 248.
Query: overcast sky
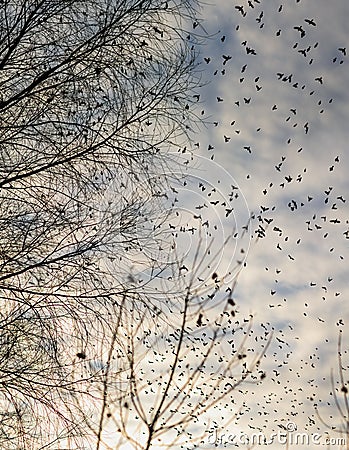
pixel 278 103
pixel 274 148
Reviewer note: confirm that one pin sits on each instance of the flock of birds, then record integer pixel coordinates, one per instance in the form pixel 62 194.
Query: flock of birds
pixel 259 224
pixel 270 104
pixel 260 228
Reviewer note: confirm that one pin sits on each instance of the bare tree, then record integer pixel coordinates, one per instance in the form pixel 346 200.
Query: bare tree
pixel 93 99
pixel 339 394
pixel 177 374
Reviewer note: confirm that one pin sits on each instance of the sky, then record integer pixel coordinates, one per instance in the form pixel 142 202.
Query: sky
pixel 275 102
pixel 263 203
pixel 260 204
